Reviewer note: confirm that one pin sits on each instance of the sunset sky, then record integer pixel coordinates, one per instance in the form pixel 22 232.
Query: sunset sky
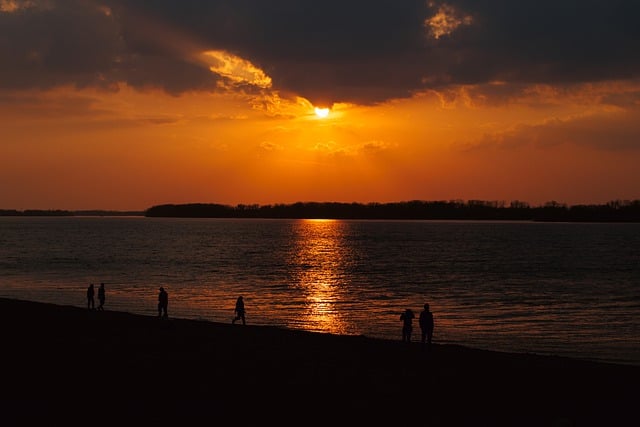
pixel 122 105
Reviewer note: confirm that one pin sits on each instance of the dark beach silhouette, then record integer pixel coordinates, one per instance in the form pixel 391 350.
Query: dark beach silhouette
pixel 199 370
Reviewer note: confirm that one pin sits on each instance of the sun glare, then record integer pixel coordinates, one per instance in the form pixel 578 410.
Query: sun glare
pixel 322 112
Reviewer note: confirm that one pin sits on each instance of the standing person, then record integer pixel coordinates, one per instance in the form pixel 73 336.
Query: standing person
pixel 239 310
pixel 426 326
pixel 101 297
pixel 91 302
pixel 163 303
pixel 407 324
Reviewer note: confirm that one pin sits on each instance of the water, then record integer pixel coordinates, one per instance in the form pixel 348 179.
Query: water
pixel 567 289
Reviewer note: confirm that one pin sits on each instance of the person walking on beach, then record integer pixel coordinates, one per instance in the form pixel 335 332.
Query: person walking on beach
pixel 91 302
pixel 426 326
pixel 163 303
pixel 407 324
pixel 239 310
pixel 101 297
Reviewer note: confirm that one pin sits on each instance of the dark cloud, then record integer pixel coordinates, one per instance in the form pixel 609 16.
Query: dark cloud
pixel 45 47
pixel 82 43
pixel 358 51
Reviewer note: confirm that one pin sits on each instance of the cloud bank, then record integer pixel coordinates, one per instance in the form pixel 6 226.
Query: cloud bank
pixel 362 52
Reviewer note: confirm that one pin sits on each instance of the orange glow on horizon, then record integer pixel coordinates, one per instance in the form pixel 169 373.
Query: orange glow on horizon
pixel 129 150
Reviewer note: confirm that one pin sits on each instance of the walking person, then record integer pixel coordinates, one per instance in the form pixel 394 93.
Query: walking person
pixel 91 302
pixel 407 324
pixel 239 310
pixel 101 297
pixel 426 326
pixel 163 303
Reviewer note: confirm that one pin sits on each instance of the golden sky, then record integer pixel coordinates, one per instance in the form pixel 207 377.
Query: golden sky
pixel 123 105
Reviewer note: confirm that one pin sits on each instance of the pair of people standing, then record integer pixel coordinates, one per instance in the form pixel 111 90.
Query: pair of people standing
pixel 91 291
pixel 426 325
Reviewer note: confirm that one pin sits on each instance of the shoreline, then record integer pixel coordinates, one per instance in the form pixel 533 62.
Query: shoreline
pixel 65 362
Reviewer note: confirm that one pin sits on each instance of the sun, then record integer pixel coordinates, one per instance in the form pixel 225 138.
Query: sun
pixel 321 112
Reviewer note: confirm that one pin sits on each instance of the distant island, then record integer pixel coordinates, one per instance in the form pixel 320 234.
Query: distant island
pixel 613 211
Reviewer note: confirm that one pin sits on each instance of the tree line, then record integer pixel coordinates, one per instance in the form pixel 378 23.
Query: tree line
pixel 613 211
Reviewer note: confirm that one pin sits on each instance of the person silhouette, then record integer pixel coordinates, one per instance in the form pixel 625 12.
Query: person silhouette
pixel 407 324
pixel 101 297
pixel 426 326
pixel 239 310
pixel 163 303
pixel 91 302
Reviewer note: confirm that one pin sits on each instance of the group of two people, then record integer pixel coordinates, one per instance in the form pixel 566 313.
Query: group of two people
pixel 91 292
pixel 163 302
pixel 163 299
pixel 426 325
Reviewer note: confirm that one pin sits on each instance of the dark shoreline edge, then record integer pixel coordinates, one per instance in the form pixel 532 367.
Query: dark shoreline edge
pixel 64 362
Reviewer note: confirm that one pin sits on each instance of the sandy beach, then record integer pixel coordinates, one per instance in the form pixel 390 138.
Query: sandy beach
pixel 66 364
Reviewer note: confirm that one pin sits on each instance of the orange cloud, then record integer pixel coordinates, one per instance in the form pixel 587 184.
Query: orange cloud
pixel 446 20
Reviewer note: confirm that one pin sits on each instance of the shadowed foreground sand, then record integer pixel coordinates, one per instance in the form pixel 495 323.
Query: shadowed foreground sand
pixel 64 365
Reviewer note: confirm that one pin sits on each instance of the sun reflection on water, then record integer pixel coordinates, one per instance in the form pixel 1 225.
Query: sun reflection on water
pixel 318 258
